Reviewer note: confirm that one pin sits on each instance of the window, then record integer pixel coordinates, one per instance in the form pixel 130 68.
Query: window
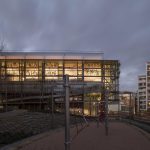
pixel 12 70
pixel 142 106
pixel 32 69
pixel 148 67
pixel 92 78
pixel 148 73
pixel 70 64
pixel 90 64
pixel 71 72
pixel 92 72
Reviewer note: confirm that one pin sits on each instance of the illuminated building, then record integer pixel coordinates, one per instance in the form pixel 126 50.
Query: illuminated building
pixel 28 78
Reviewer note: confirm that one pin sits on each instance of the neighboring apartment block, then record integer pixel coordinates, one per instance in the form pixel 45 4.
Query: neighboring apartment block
pixel 144 90
pixel 142 103
pixel 148 85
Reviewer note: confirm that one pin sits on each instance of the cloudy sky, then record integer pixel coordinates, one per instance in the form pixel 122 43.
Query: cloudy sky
pixel 119 28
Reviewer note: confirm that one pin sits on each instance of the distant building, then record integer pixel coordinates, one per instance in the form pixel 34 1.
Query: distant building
pixel 142 102
pixel 148 85
pixel 127 102
pixel 144 90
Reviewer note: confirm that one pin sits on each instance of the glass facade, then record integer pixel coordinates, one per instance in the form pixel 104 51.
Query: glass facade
pixel 91 72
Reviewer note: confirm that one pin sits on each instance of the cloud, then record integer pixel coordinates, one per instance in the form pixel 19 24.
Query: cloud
pixel 119 28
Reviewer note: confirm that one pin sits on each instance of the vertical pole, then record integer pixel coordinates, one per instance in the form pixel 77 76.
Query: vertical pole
pixel 105 98
pixel 21 82
pixel 119 107
pixel 98 120
pixel 52 107
pixel 6 98
pixel 106 113
pixel 130 107
pixel 67 114
pixel 6 86
pixel 83 92
pixel 42 84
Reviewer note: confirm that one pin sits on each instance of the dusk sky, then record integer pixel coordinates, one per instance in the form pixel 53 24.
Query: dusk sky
pixel 119 28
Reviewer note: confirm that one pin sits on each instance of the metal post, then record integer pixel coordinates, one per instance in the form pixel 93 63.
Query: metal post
pixel 98 120
pixel 52 107
pixel 6 98
pixel 67 114
pixel 22 88
pixel 106 113
pixel 130 107
pixel 6 86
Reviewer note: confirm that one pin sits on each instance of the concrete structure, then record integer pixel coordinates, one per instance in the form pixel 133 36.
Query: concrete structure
pixel 142 102
pixel 127 102
pixel 34 80
pixel 148 85
pixel 144 90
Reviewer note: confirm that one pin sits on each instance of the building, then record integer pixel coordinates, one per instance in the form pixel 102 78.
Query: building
pixel 144 90
pixel 148 85
pixel 142 101
pixel 127 103
pixel 34 80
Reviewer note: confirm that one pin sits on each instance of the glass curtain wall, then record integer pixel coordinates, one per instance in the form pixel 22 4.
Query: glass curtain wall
pixel 90 72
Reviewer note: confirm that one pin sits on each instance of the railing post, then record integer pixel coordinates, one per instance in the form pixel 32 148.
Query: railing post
pixel 52 107
pixel 67 114
pixel 106 113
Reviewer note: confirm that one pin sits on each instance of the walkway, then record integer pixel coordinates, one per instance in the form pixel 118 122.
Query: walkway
pixel 121 137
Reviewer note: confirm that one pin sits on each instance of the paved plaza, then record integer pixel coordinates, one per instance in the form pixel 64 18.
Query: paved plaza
pixel 121 136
